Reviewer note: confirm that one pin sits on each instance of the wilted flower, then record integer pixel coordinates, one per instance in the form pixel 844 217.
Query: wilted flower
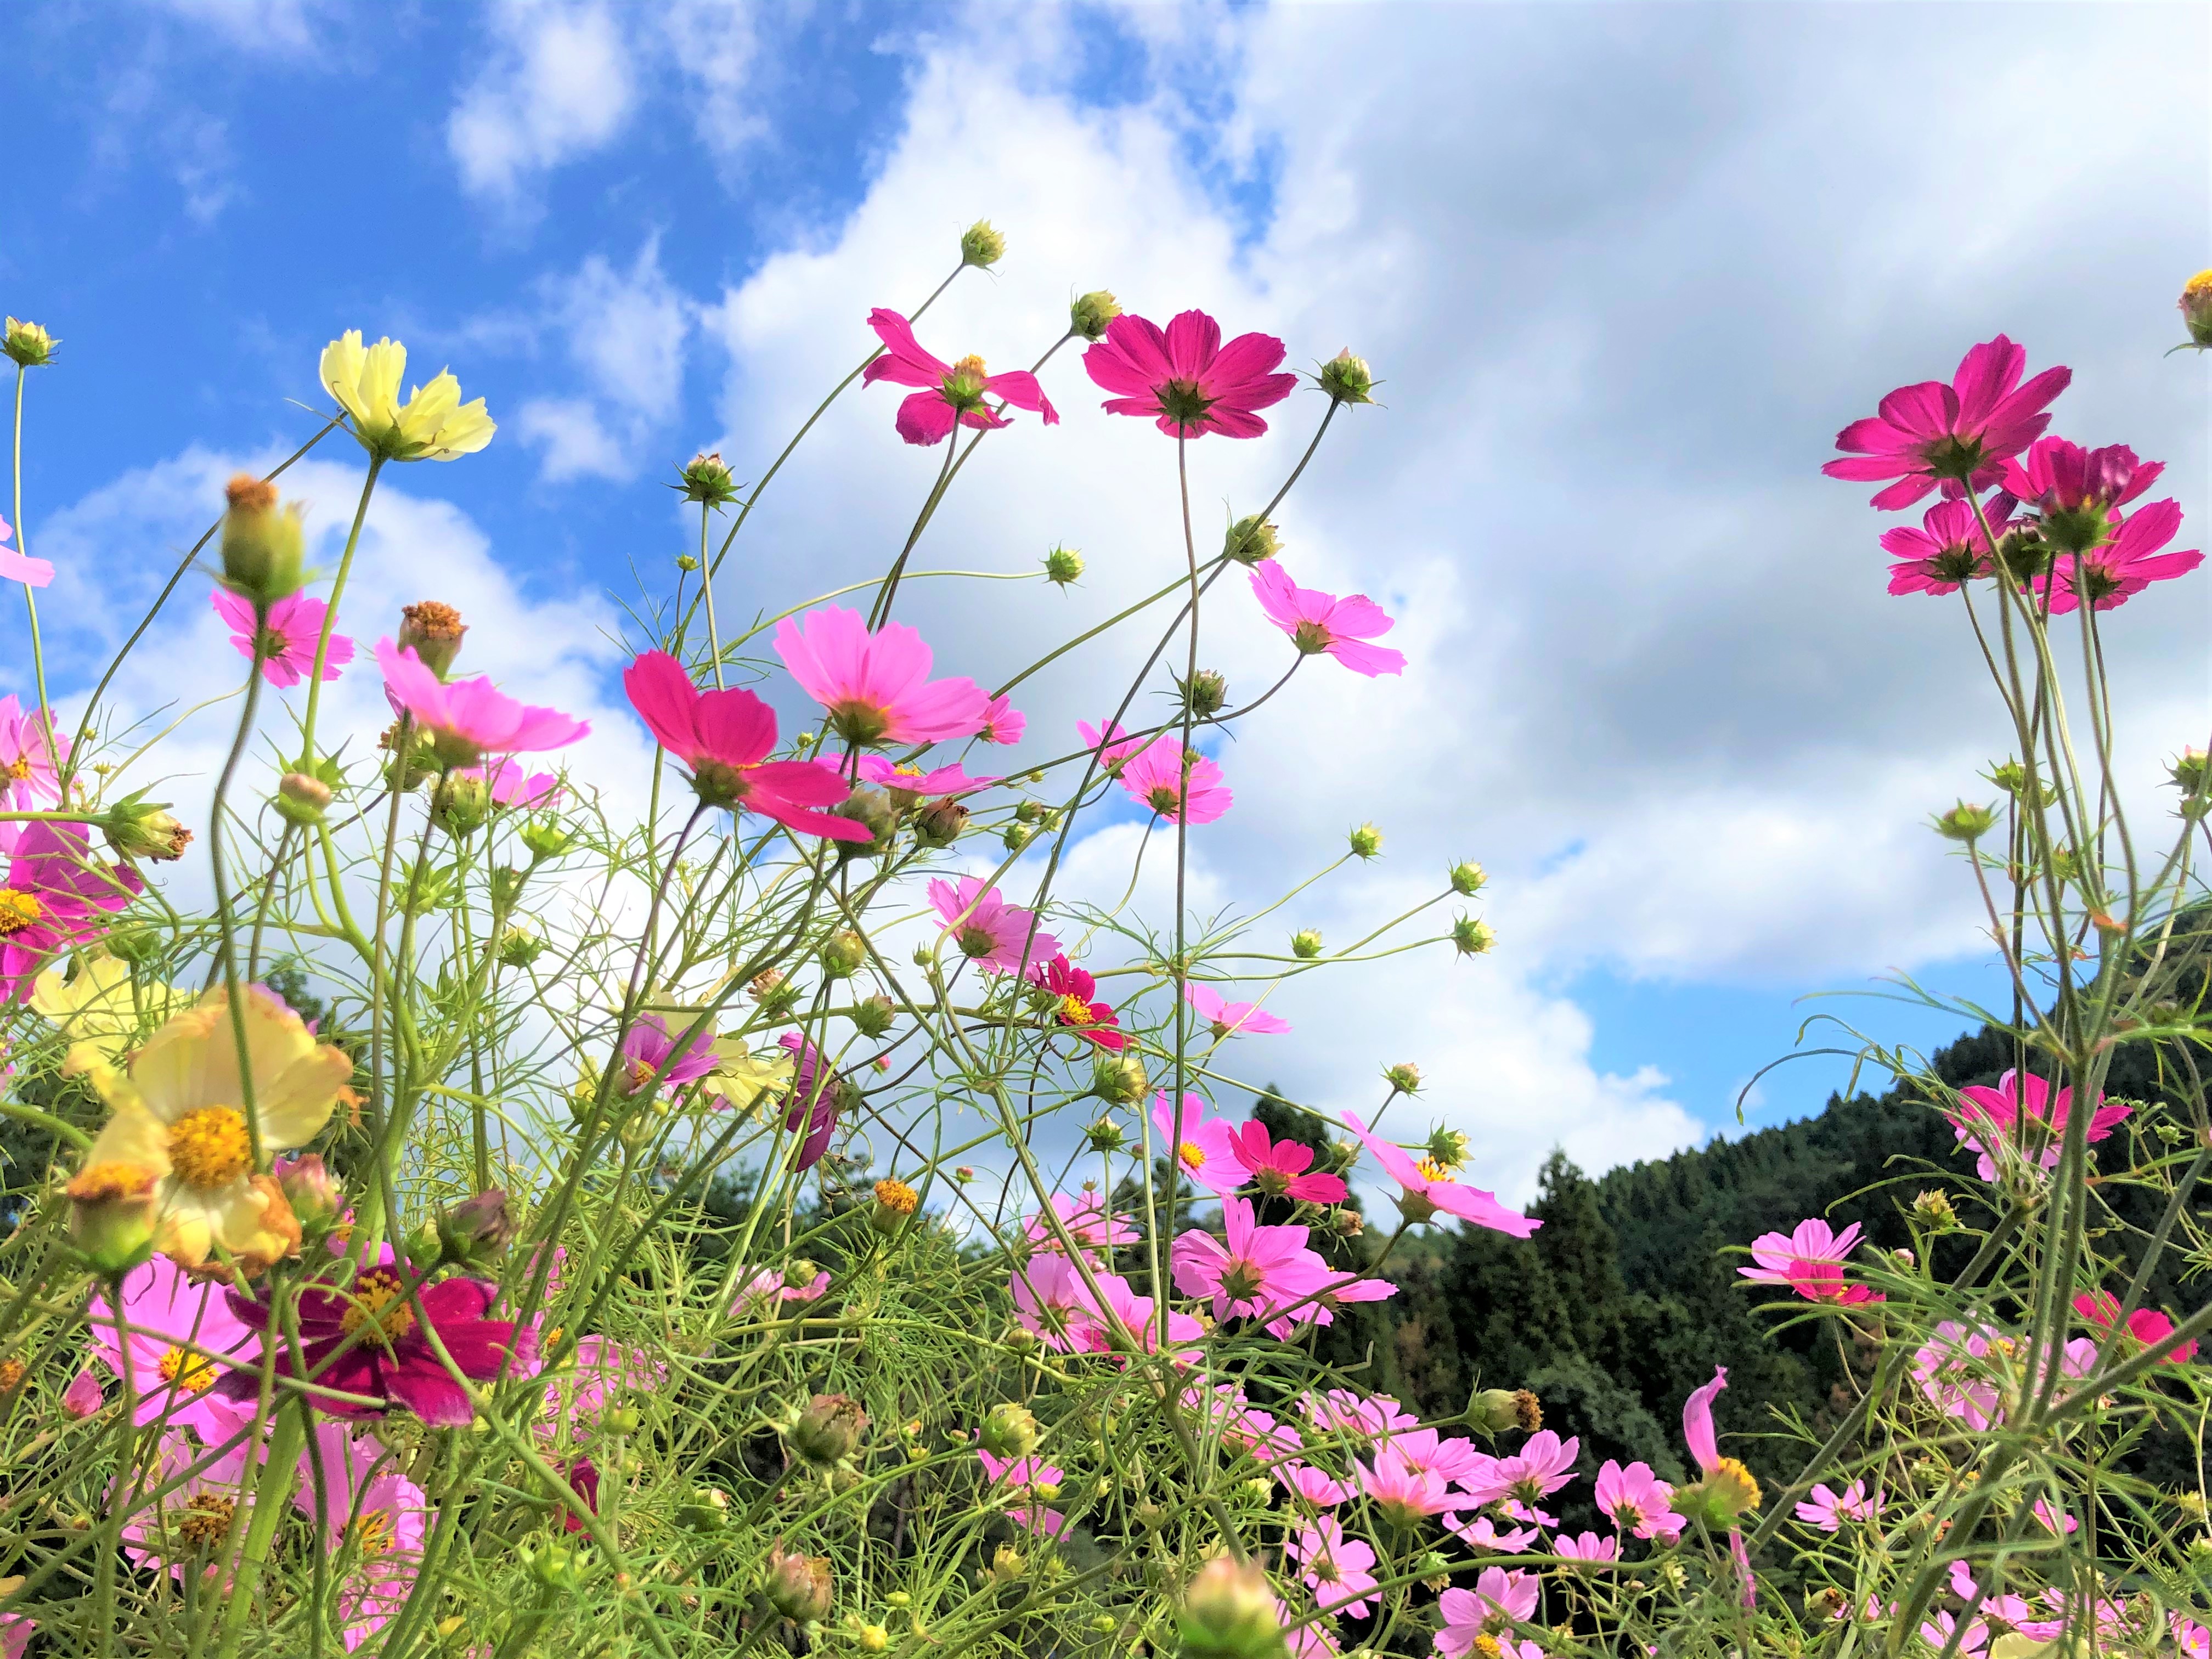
pixel 2197 307
pixel 433 424
pixel 828 1429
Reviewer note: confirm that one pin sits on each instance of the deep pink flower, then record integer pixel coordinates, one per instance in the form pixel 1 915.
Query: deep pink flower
pixel 1335 1568
pixel 1201 1146
pixel 725 737
pixel 1403 1491
pixel 1162 775
pixel 955 392
pixel 1948 550
pixel 55 894
pixel 1002 721
pixel 876 687
pixel 18 567
pixel 1255 1274
pixel 1034 1478
pixel 1318 622
pixel 909 784
pixel 1810 1261
pixel 469 719
pixel 648 1048
pixel 512 785
pixel 1279 1167
pixel 1957 436
pixel 1232 1019
pixel 84 1396
pixel 2111 574
pixel 1185 378
pixel 2146 1325
pixel 818 1096
pixel 173 1330
pixel 1085 1218
pixel 1636 1500
pixel 997 937
pixel 374 1518
pixel 2057 476
pixel 583 1476
pixel 184 1527
pixel 294 629
pixel 1428 1190
pixel 1828 1509
pixel 1990 1119
pixel 1075 1008
pixel 29 744
pixel 395 1363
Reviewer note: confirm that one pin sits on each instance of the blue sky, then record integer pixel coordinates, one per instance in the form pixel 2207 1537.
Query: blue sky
pixel 1625 271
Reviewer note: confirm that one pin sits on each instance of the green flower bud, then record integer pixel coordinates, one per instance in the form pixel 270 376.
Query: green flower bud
pixel 687 562
pixel 1063 565
pixel 1251 540
pixel 1346 379
pixel 939 824
pixel 460 803
pixel 1472 938
pixel 545 839
pixel 1105 1136
pixel 980 244
pixel 707 1511
pixel 1015 837
pixel 1007 1564
pixel 1467 879
pixel 704 479
pixel 871 808
pixel 264 547
pixel 27 343
pixel 1229 1612
pixel 1405 1077
pixel 518 947
pixel 1205 693
pixel 1932 1210
pixel 1366 841
pixel 873 1015
pixel 139 829
pixel 1964 823
pixel 828 1429
pixel 1446 1148
pixel 432 629
pixel 1493 1411
pixel 112 1216
pixel 872 1638
pixel 1305 943
pixel 843 955
pixel 556 1567
pixel 1119 1080
pixel 1010 1431
pixel 799 1587
pixel 474 1232
pixel 1089 315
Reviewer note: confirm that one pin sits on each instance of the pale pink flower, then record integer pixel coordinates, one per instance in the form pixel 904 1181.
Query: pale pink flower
pixel 997 937
pixel 1482 1533
pixel 1255 1274
pixel 1429 1190
pixel 1453 1458
pixel 1184 377
pixel 1335 1567
pixel 289 639
pixel 19 567
pixel 1165 776
pixel 1085 1218
pixel 1282 1169
pixel 1037 1480
pixel 1947 550
pixel 913 782
pixel 1704 1448
pixel 1320 623
pixel 2114 573
pixel 1002 721
pixel 512 785
pixel 29 745
pixel 373 1520
pixel 1636 1500
pixel 183 1527
pixel 1828 1509
pixel 1810 1261
pixel 1204 1148
pixel 765 1287
pixel 1937 1631
pixel 1500 1598
pixel 1586 1547
pixel 1989 1120
pixel 2193 1639
pixel 1316 1486
pixel 1543 1465
pixel 1304 1641
pixel 1227 1019
pixel 955 392
pixel 177 1336
pixel 876 687
pixel 1361 1414
pixel 2051 1517
pixel 468 720
pixel 1955 1370
pixel 1050 1300
pixel 598 1371
pixel 1404 1492
pixel 1957 436
pixel 1113 744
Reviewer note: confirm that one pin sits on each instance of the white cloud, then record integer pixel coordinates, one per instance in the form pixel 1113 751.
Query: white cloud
pixel 278 26
pixel 714 44
pixel 625 333
pixel 560 86
pixel 576 446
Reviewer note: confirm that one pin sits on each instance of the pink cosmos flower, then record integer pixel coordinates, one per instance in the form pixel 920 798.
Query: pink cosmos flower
pixel 1034 1478
pixel 374 1520
pixel 1482 1533
pixel 1002 721
pixel 598 1371
pixel 1163 776
pixel 1938 1629
pixel 1085 1218
pixel 55 894
pixel 725 737
pixel 2111 574
pixel 1955 1370
pixel 2058 476
pixel 1119 1309
pixel 469 719
pixel 1957 436
pixel 2146 1325
pixel 84 1396
pixel 1302 1640
pixel 2049 1517
pixel 1810 1261
pixel 17 567
pixel 1449 1457
pixel 1704 1446
pixel 955 392
pixel 1113 745
pixel 909 784
pixel 1405 1494
pixel 288 642
pixel 175 1330
pixel 29 744
pixel 1989 1120
pixel 1204 1148
pixel 1948 550
pixel 1279 1169
pixel 1335 1568
pixel 1368 1415
pixel 1259 1271
pixel 1075 1007
pixel 1320 623
pixel 1316 1486
pixel 876 687
pixel 1499 1598
pixel 512 785
pixel 1828 1509
pixel 997 937
pixel 2192 1639
pixel 1587 1547
pixel 1227 1019
pixel 1428 1190
pixel 1050 1300
pixel 648 1050
pixel 15 1629
pixel 1636 1500
pixel 766 1287
pixel 1185 378
pixel 819 1095
pixel 185 1527
pixel 1543 1465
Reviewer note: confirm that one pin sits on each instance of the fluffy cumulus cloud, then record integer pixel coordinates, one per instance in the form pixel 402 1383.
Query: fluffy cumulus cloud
pixel 558 85
pixel 624 333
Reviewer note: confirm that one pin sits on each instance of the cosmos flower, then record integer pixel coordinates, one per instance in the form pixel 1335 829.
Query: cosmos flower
pixel 997 937
pixel 30 744
pixel 876 687
pixel 953 393
pixel 468 720
pixel 1957 436
pixel 1227 1019
pixel 1257 1273
pixel 1086 1220
pixel 2145 1325
pixel 1993 1119
pixel 1319 623
pixel 1828 1509
pixel 1636 1500
pixel 1164 776
pixel 19 567
pixel 512 785
pixel 373 1520
pixel 184 1527
pixel 1810 1261
pixel 1428 1191
pixel 1335 1567
pixel 174 1328
pixel 1185 379
pixel 2110 574
pixel 1947 550
pixel 913 782
pixel 649 1046
pixel 1201 1146
pixel 433 424
pixel 1280 1169
pixel 289 640
pixel 1074 1006
pixel 56 894
pixel 1002 721
pixel 819 1094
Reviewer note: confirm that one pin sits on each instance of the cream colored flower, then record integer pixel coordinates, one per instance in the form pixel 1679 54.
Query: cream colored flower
pixel 179 1112
pixel 741 1076
pixel 101 1012
pixel 433 424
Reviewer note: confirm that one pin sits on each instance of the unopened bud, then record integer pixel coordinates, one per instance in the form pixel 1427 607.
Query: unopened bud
pixel 1229 1612
pixel 112 1216
pixel 433 629
pixel 144 829
pixel 84 1395
pixel 1015 836
pixel 706 1511
pixel 1347 1223
pixel 872 809
pixel 558 1567
pixel 799 1587
pixel 518 947
pixel 872 1638
pixel 311 1189
pixel 1251 540
pixel 27 343
pixel 828 1429
pixel 1007 1563
pixel 1105 1136
pixel 1467 879
pixel 1119 1080
pixel 1305 943
pixel 2188 773
pixel 1932 1210
pixel 264 546
pixel 706 481
pixel 1063 565
pixel 2196 309
pixel 939 824
pixel 303 800
pixel 1365 842
pixel 1964 824
pixel 843 954
pixel 1446 1149
pixel 873 1015
pixel 1405 1077
pixel 686 563
pixel 1472 938
pixel 460 803
pixel 1205 693
pixel 1346 379
pixel 1090 313
pixel 474 1232
pixel 1009 1430
pixel 545 839
pixel 981 244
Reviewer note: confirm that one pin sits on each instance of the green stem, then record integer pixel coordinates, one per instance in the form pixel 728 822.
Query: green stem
pixel 331 618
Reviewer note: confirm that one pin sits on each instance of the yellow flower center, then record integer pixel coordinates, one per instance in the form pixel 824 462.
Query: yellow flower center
pixel 971 364
pixel 1731 1474
pixel 189 1372
pixel 1074 1010
pixel 2197 286
pixel 377 1303
pixel 17 768
pixel 18 910
pixel 11 1373
pixel 897 1196
pixel 1486 1646
pixel 1192 1155
pixel 372 1533
pixel 210 1147
pixel 205 1518
pixel 1431 1170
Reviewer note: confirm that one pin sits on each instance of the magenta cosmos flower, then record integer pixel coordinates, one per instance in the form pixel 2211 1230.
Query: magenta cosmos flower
pixel 1257 1274
pixel 1990 1119
pixel 819 1094
pixel 1318 622
pixel 1957 436
pixel 1186 379
pixel 908 784
pixel 1203 1147
pixel 1429 1190
pixel 997 937
pixel 725 738
pixel 385 1354
pixel 2146 1325
pixel 2114 573
pixel 30 744
pixel 1279 1168
pixel 56 894
pixel 1074 1006
pixel 876 687
pixel 1227 1019
pixel 1002 721
pixel 1335 1567
pixel 649 1051
pixel 1636 1500
pixel 374 1522
pixel 1810 1261
pixel 953 393
pixel 1086 1220
pixel 2055 476
pixel 173 1332
pixel 17 567
pixel 288 641
pixel 1948 550
pixel 469 719
pixel 1175 782
pixel 1543 1465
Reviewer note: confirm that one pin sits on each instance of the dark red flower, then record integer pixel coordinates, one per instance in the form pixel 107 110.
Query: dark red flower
pixel 1072 990
pixel 584 1481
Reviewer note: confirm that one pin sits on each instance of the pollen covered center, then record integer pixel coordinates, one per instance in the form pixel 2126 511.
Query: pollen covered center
pixel 209 1147
pixel 372 1533
pixel 1431 1170
pixel 191 1372
pixel 1192 1155
pixel 377 1303
pixel 18 910
pixel 17 769
pixel 1074 1010
pixel 204 1519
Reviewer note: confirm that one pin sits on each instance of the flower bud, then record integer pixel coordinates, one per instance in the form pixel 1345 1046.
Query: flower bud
pixel 828 1429
pixel 872 1638
pixel 474 1232
pixel 1472 938
pixel 1305 943
pixel 706 1511
pixel 1932 1209
pixel 896 1203
pixel 1009 1430
pixel 1063 565
pixel 27 343
pixel 1090 313
pixel 112 1216
pixel 1346 379
pixel 1964 823
pixel 139 829
pixel 843 954
pixel 980 244
pixel 873 1015
pixel 1015 837
pixel 1119 1080
pixel 1446 1149
pixel 1405 1077
pixel 2196 310
pixel 1007 1564
pixel 939 824
pixel 687 562
pixel 433 629
pixel 311 1189
pixel 1251 539
pixel 1105 1136
pixel 264 547
pixel 1229 1612
pixel 303 800
pixel 1347 1223
pixel 84 1395
pixel 545 839
pixel 558 1567
pixel 1467 879
pixel 460 805
pixel 518 947
pixel 1366 841
pixel 1493 1411
pixel 871 809
pixel 706 481
pixel 1203 693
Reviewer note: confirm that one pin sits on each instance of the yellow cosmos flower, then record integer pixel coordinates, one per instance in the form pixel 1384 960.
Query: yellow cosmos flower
pixel 101 1012
pixel 740 1077
pixel 433 424
pixel 179 1112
